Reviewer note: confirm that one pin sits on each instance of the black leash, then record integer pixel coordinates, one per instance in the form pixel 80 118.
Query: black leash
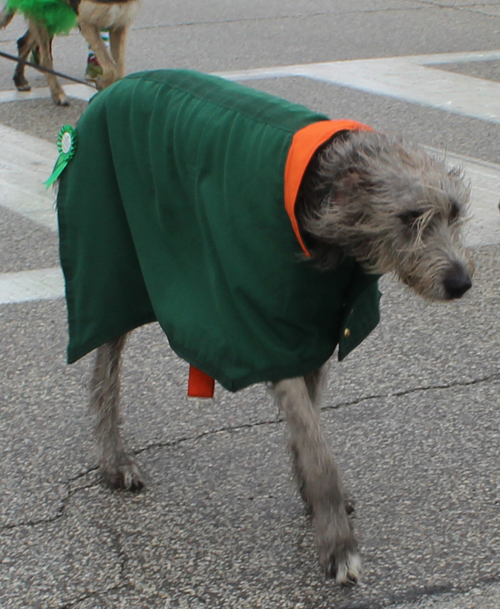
pixel 45 70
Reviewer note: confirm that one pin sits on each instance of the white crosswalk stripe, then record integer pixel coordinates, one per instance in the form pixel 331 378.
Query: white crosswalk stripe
pixel 41 284
pixel 412 78
pixel 25 163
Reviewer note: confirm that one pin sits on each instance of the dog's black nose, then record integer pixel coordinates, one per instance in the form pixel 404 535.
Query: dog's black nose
pixel 457 282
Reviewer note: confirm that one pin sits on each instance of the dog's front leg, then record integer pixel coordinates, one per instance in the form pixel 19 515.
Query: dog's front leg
pixel 92 35
pixel 118 42
pixel 319 479
pixel 118 468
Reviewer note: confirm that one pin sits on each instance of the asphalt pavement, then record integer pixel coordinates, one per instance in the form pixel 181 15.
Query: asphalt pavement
pixel 412 414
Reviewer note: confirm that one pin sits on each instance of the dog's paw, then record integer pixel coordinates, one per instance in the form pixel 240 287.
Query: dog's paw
pixel 350 507
pixel 341 562
pixel 125 477
pixel 59 98
pixel 61 101
pixel 337 547
pixel 106 80
pixel 21 83
pixel 346 570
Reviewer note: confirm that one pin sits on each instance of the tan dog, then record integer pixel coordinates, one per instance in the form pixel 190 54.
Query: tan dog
pixel 92 17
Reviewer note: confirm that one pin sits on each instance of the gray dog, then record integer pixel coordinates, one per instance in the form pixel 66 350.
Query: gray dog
pixel 364 199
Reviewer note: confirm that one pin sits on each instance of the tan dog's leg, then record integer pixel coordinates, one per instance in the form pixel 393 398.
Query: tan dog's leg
pixel 25 45
pixel 92 35
pixel 43 41
pixel 118 40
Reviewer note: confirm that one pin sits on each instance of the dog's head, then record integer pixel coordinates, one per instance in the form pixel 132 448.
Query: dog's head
pixel 395 208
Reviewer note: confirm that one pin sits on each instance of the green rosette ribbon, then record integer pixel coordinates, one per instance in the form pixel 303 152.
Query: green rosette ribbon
pixel 66 144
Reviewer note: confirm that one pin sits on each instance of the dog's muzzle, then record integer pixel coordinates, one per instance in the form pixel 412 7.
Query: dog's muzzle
pixel 457 282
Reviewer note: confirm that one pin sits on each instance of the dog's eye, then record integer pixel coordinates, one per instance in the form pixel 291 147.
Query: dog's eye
pixel 411 216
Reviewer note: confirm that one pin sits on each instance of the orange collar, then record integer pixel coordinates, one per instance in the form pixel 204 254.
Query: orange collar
pixel 304 144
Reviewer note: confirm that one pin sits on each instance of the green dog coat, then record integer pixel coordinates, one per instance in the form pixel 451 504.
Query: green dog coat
pixel 178 207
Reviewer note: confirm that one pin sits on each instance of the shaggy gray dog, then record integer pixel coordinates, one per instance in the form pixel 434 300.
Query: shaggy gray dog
pixel 395 209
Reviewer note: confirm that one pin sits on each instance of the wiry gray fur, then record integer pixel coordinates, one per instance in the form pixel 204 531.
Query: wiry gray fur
pixel 391 206
pixel 395 209
pixel 116 466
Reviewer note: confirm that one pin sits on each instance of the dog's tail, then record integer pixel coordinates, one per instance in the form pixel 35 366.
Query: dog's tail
pixel 6 17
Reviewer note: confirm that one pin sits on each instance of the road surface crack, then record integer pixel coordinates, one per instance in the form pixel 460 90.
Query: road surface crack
pixel 270 18
pixel 278 420
pixel 70 492
pixel 477 8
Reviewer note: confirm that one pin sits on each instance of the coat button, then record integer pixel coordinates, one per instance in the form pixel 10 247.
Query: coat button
pixel 347 333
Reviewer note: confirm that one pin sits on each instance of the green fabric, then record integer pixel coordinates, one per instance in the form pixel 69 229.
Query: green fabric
pixel 172 210
pixel 55 15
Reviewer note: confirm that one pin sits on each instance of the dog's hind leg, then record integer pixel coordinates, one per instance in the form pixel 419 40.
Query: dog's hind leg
pixel 118 468
pixel 321 484
pixel 25 45
pixel 44 42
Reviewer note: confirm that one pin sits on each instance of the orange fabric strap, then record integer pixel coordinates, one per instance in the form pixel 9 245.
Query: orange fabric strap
pixel 304 144
pixel 200 385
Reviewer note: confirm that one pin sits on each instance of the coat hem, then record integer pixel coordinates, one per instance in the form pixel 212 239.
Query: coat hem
pixel 269 375
pixel 76 353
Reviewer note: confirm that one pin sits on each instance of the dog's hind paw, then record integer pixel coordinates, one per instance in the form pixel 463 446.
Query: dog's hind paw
pixel 125 477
